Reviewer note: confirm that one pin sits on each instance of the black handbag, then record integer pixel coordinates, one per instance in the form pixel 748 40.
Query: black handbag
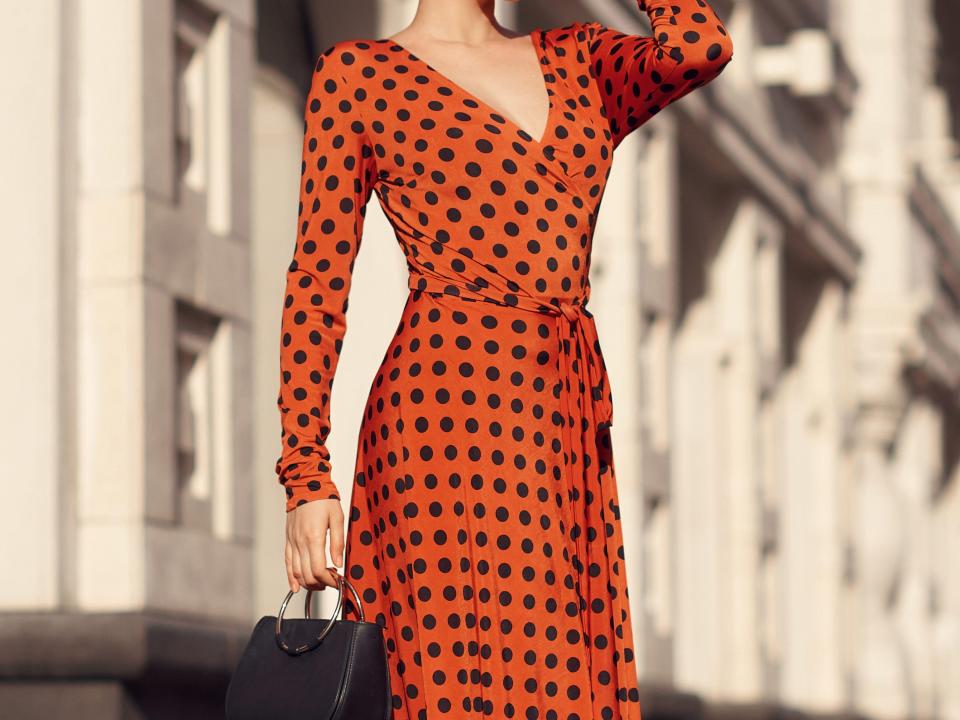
pixel 312 668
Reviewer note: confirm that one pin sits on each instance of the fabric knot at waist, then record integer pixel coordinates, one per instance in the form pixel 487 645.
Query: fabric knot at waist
pixel 582 362
pixel 584 350
pixel 570 311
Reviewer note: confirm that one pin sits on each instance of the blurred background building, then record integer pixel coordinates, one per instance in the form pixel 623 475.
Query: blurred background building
pixel 777 285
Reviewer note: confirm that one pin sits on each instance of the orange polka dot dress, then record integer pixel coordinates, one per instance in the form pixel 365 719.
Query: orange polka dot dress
pixel 483 526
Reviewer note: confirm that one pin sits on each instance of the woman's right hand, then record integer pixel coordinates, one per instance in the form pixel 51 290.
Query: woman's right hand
pixel 305 551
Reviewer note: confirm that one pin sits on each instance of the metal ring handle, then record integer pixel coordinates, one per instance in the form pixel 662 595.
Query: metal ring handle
pixel 341 581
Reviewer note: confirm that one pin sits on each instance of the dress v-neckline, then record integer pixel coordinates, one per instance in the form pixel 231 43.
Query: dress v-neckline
pixel 535 40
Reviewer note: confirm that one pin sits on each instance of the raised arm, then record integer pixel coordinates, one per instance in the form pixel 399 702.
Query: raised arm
pixel 337 175
pixel 639 75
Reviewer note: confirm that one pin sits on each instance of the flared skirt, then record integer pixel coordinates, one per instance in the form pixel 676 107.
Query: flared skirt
pixel 484 526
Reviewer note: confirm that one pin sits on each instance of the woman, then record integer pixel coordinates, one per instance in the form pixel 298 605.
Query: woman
pixel 484 528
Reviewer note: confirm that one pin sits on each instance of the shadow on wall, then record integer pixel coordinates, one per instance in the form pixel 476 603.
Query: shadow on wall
pixel 290 30
pixel 946 12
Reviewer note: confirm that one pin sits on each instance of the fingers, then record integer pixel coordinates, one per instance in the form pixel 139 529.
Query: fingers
pixel 336 540
pixel 305 546
pixel 318 559
pixel 288 556
pixel 305 553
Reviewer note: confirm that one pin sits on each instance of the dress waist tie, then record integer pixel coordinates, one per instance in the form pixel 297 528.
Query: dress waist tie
pixel 571 313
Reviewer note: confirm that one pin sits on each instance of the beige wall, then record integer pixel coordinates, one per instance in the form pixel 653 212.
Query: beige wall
pixel 35 451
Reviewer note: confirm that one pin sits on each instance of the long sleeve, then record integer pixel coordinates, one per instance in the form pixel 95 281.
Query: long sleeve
pixel 337 175
pixel 638 76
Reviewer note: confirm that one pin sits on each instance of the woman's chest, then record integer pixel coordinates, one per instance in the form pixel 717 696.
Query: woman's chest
pixel 427 130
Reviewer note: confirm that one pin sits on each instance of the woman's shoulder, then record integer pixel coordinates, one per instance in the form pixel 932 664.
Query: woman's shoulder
pixel 348 57
pixel 574 32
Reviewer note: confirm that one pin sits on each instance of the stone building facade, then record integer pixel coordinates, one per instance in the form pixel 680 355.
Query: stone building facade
pixel 776 281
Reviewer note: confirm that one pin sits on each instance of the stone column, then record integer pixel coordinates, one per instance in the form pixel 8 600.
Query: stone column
pixel 880 687
pixel 143 255
pixel 814 403
pixel 36 299
pixel 716 458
